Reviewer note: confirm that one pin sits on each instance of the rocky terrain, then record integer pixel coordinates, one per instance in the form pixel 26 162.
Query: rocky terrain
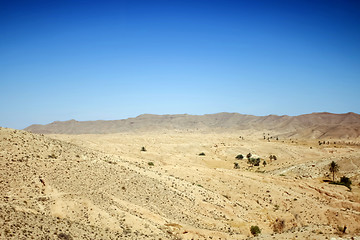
pixel 315 125
pixel 105 186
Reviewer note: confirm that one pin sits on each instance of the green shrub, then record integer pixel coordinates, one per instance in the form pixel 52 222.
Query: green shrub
pixel 255 230
pixel 202 154
pixel 240 157
pixel 150 163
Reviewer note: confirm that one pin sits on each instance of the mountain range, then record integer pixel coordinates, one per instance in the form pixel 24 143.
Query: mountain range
pixel 315 125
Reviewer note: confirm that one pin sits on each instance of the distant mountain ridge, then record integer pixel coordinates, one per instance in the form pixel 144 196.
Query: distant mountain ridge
pixel 314 125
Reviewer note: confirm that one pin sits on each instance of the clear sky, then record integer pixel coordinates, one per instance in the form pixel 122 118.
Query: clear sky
pixel 90 60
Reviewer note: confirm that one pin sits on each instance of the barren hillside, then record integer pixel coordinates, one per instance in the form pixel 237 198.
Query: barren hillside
pixel 315 125
pixel 105 187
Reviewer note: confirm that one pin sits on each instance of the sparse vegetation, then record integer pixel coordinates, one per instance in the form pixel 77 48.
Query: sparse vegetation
pixel 294 204
pixel 143 149
pixel 255 230
pixel 202 154
pixel 248 156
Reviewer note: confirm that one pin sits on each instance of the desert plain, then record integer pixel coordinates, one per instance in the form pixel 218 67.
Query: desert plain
pixel 176 184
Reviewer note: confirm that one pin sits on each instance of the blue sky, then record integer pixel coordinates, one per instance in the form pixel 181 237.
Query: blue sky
pixel 90 60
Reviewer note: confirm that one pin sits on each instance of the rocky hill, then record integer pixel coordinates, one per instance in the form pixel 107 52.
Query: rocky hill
pixel 315 125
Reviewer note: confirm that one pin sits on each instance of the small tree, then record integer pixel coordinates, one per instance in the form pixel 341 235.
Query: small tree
pixel 274 157
pixel 333 169
pixel 143 149
pixel 236 165
pixel 248 156
pixel 264 163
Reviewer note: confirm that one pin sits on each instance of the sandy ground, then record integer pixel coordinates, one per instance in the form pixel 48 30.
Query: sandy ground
pixel 105 187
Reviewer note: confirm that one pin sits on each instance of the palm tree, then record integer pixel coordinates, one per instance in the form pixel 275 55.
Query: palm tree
pixel 333 168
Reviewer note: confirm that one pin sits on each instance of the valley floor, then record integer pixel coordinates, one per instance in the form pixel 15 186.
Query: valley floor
pixel 106 187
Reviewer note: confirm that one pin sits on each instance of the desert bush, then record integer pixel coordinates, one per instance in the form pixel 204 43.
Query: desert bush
pixel 278 225
pixel 64 236
pixel 272 157
pixel 52 156
pixel 150 163
pixel 255 230
pixel 240 157
pixel 202 154
pixel 254 161
pixel 248 156
pixel 236 165
pixel 345 181
pixel 264 163
pixel 143 149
